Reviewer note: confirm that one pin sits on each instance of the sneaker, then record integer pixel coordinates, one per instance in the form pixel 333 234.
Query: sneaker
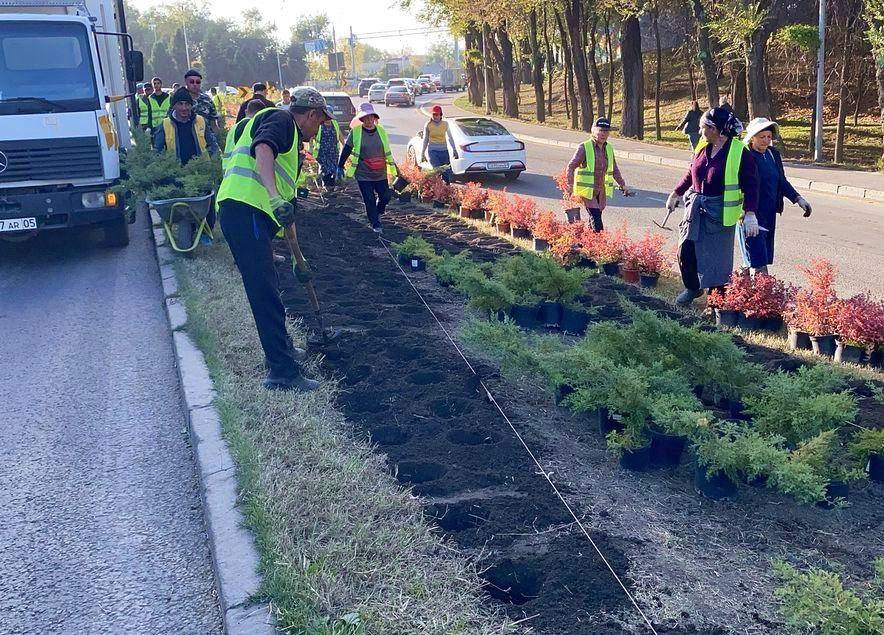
pixel 378 229
pixel 299 354
pixel 279 258
pixel 298 382
pixel 687 296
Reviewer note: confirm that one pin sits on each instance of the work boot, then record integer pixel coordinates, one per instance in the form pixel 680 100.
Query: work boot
pixel 687 296
pixel 297 382
pixel 299 354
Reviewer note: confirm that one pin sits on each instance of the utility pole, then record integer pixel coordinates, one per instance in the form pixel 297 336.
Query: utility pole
pixel 820 85
pixel 279 68
pixel 335 53
pixel 353 53
pixel 186 48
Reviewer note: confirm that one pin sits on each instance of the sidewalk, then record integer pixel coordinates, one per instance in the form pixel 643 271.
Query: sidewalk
pixel 847 183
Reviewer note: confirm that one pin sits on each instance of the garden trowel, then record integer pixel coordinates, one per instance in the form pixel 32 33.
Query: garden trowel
pixel 302 272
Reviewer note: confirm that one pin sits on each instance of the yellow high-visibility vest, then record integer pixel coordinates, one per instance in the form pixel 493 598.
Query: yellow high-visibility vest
pixel 584 178
pixel 171 131
pixel 356 134
pixel 733 195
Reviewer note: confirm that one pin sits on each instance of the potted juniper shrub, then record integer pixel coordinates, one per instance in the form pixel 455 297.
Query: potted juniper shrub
pixel 867 447
pixel 717 464
pixel 674 418
pixel 414 252
pixel 824 454
pixel 814 311
pixel 632 447
pixel 545 229
pixel 449 268
pixel 860 328
pixel 486 294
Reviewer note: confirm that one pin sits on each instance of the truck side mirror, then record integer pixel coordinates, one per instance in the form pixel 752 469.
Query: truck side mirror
pixel 135 66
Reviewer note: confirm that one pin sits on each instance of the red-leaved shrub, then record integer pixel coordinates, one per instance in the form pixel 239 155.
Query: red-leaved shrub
pixel 609 245
pixel 646 254
pixel 815 308
pixel 568 198
pixel 861 321
pixel 473 197
pixel 521 212
pixel 545 226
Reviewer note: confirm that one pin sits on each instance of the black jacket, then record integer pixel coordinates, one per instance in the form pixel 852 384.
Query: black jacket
pixel 785 189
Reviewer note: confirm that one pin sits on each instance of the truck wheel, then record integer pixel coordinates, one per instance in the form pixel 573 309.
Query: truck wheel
pixel 116 232
pixel 184 231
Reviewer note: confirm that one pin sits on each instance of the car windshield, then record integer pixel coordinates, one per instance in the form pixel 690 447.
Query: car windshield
pixel 377 87
pixel 481 127
pixel 46 67
pixel 340 104
pixel 397 89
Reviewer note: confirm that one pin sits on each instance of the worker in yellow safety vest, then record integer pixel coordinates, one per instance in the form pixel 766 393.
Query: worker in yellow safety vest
pixel 593 171
pixel 371 162
pixel 184 132
pixel 252 109
pixel 255 202
pixel 142 102
pixel 159 103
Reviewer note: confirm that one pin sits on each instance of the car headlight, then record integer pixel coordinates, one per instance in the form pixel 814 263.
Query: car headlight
pixel 99 199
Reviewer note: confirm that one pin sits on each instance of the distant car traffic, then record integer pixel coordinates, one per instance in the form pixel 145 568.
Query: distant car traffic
pixel 342 106
pixel 366 84
pixel 376 93
pixel 483 147
pixel 398 95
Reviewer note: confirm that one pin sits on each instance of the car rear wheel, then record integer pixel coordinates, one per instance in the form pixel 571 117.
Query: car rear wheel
pixel 511 176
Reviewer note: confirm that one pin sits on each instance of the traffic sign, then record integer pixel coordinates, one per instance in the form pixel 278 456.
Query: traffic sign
pixel 243 92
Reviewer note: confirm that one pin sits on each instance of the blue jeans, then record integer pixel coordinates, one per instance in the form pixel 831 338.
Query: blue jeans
pixel 375 195
pixel 439 158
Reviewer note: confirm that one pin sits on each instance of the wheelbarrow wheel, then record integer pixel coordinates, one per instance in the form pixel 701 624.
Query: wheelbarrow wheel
pixel 116 232
pixel 184 231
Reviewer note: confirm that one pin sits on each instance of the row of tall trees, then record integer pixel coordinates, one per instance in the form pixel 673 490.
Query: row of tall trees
pixel 595 45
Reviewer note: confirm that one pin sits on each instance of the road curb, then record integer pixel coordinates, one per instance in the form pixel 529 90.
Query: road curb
pixel 833 189
pixel 235 558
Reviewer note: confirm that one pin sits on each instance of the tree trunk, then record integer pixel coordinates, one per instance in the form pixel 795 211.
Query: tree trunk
pixel 526 59
pixel 633 79
pixel 504 57
pixel 704 48
pixel 549 64
pixel 594 67
pixel 739 97
pixel 843 89
pixel 860 93
pixel 655 16
pixel 574 19
pixel 756 75
pixel 570 96
pixel 536 67
pixel 490 97
pixel 879 75
pixel 689 62
pixel 474 90
pixel 610 46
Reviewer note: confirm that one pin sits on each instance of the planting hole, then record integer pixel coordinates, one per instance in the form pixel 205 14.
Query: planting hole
pixel 357 374
pixel 425 378
pixel 366 403
pixel 403 353
pixel 389 435
pixel 512 582
pixel 459 516
pixel 463 436
pixel 366 316
pixel 418 472
pixel 450 407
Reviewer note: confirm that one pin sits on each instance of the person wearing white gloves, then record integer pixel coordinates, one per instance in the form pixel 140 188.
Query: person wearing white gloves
pixel 721 191
pixel 758 251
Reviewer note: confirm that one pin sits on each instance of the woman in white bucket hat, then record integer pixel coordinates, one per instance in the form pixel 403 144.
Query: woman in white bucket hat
pixel 758 251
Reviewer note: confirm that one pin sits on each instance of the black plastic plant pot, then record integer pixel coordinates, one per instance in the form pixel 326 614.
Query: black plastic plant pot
pixel 573 215
pixel 799 340
pixel 521 232
pixel 773 324
pixel 303 192
pixel 574 321
pixel 726 318
pixel 735 409
pixel 748 323
pixel 438 204
pixel 541 244
pixel 611 268
pixel 847 353
pixel 606 422
pixel 666 449
pixel 524 316
pixel 562 391
pixel 405 197
pixel 550 313
pixel 649 280
pixel 587 263
pixel 399 184
pixel 415 263
pixel 875 359
pixel 834 491
pixel 876 467
pixel 715 486
pixel 636 459
pixel 477 214
pixel 823 345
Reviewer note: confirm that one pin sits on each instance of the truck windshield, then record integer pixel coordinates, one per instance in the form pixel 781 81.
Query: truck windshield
pixel 45 67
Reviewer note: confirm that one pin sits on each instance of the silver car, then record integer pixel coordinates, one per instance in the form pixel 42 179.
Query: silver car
pixel 376 93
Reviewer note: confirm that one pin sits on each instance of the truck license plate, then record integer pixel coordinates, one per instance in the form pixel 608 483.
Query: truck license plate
pixel 17 224
pixel 498 165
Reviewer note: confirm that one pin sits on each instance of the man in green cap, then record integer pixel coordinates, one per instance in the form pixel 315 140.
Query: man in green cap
pixel 255 204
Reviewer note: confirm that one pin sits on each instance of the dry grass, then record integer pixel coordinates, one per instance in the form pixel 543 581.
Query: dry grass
pixel 345 550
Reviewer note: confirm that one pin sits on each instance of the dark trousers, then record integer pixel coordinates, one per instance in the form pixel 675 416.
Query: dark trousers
pixel 687 264
pixel 249 233
pixel 328 180
pixel 375 195
pixel 595 217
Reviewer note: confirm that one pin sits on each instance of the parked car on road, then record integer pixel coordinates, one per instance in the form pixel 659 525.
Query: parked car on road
pixel 342 106
pixel 366 84
pixel 483 147
pixel 399 96
pixel 376 93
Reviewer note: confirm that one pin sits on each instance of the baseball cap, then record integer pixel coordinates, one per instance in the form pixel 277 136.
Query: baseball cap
pixel 309 97
pixel 193 73
pixel 603 123
pixel 436 110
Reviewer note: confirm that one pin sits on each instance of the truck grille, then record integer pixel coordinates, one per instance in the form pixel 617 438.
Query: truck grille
pixel 50 159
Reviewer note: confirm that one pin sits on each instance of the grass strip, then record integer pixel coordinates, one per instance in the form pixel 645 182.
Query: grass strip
pixel 344 549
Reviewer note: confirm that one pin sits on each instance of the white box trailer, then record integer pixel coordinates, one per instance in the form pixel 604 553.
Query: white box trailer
pixel 67 80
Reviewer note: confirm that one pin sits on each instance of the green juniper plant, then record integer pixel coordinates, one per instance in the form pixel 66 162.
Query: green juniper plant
pixel 415 247
pixel 864 443
pixel 449 269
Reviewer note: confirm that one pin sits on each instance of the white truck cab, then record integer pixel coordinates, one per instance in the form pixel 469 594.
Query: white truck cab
pixel 67 79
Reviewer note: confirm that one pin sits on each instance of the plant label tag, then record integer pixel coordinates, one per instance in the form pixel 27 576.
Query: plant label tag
pixel 414 263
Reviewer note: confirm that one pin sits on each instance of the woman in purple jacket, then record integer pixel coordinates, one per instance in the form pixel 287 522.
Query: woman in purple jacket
pixel 706 233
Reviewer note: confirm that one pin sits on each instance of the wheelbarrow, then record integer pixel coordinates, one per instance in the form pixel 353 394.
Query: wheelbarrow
pixel 188 215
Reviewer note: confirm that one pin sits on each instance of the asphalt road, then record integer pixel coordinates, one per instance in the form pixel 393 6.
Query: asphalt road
pixel 102 528
pixel 848 232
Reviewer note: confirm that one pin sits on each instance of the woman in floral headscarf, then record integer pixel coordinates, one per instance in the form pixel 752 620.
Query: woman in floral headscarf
pixel 720 190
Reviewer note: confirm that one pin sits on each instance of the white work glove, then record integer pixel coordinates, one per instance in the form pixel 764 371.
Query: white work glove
pixel 750 224
pixel 672 201
pixel 805 206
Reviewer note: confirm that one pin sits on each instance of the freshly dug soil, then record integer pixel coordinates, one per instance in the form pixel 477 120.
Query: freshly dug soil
pixel 695 566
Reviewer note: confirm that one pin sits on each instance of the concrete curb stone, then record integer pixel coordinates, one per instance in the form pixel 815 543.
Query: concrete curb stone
pixel 235 558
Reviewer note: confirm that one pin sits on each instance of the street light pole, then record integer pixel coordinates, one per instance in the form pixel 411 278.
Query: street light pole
pixel 186 48
pixel 820 84
pixel 279 67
